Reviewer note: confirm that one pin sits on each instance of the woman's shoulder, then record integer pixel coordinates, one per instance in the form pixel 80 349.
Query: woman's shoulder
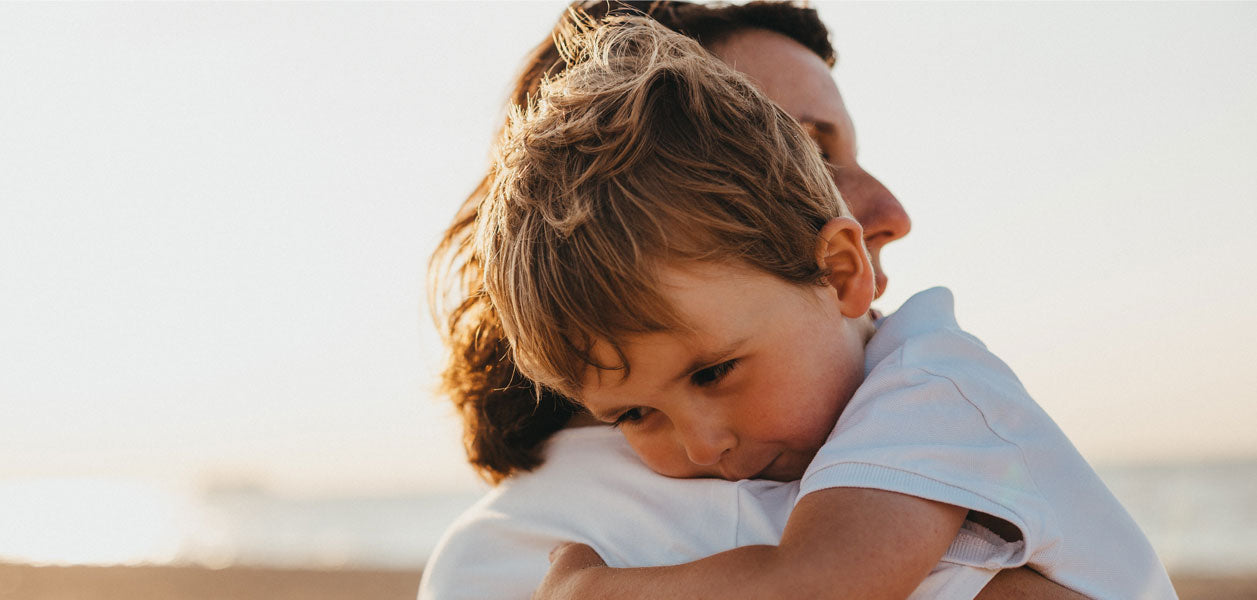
pixel 498 547
pixel 583 467
pixel 592 488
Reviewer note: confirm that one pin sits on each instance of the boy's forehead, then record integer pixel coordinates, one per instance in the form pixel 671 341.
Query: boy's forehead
pixel 701 291
pixel 712 303
pixel 721 308
pixel 638 349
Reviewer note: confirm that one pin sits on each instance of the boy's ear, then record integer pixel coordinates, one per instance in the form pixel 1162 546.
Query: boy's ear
pixel 840 251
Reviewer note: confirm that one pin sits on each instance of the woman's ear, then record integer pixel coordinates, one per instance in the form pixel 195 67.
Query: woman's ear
pixel 840 251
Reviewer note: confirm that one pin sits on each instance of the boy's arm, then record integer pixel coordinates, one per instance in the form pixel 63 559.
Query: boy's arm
pixel 838 543
pixel 1026 584
pixel 1022 583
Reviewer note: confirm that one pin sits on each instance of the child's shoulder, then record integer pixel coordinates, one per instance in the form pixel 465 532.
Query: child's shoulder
pixel 922 330
pixel 923 337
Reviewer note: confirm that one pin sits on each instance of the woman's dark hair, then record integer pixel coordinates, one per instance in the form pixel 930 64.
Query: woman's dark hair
pixel 506 419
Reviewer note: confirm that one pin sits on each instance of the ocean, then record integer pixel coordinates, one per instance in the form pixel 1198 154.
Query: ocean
pixel 1201 518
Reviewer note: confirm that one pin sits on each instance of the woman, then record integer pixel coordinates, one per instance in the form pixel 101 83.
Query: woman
pixel 588 485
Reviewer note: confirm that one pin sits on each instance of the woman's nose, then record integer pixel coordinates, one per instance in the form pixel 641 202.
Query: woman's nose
pixel 877 209
pixel 879 212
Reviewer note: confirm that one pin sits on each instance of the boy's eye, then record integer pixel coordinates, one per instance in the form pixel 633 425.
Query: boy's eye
pixel 631 415
pixel 713 374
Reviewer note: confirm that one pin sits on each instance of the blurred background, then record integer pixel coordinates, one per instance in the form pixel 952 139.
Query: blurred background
pixel 215 349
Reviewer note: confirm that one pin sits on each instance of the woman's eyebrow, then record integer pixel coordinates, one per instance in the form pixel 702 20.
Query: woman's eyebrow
pixel 827 129
pixel 823 127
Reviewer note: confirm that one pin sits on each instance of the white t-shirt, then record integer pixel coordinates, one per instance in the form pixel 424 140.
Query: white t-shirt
pixel 940 417
pixel 592 488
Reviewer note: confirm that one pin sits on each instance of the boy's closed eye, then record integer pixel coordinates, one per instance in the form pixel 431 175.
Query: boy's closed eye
pixel 705 377
pixel 630 417
pixel 712 375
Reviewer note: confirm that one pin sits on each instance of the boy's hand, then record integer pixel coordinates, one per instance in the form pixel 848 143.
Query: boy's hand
pixel 570 563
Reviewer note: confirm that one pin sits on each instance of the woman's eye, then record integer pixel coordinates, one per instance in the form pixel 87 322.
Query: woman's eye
pixel 713 374
pixel 821 149
pixel 631 415
pixel 818 140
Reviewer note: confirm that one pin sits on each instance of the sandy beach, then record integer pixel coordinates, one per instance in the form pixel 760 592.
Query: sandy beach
pixel 238 583
pixel 21 582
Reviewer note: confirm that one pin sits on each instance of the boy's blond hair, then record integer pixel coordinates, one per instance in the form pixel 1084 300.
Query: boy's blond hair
pixel 646 150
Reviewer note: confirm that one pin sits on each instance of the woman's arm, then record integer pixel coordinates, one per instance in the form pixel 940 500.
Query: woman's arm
pixel 838 543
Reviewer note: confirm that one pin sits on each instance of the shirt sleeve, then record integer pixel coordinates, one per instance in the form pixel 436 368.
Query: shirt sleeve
pixel 943 429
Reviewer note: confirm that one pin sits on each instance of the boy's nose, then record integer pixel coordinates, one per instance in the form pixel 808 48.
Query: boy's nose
pixel 706 443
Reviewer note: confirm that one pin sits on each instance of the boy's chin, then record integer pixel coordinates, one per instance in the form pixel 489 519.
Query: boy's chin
pixel 783 467
pixel 788 472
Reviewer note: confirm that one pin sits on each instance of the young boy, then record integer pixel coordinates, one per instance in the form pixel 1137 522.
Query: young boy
pixel 664 245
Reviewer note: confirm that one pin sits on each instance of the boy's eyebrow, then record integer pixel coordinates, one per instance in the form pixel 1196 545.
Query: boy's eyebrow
pixel 710 358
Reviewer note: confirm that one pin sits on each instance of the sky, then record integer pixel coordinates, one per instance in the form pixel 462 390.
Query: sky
pixel 215 221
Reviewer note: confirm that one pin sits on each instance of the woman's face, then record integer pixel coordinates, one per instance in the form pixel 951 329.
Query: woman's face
pixel 800 82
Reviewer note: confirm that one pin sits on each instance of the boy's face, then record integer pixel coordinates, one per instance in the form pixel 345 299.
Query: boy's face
pixel 751 392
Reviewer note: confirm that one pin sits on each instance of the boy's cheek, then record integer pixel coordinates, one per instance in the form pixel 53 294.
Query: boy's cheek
pixel 666 457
